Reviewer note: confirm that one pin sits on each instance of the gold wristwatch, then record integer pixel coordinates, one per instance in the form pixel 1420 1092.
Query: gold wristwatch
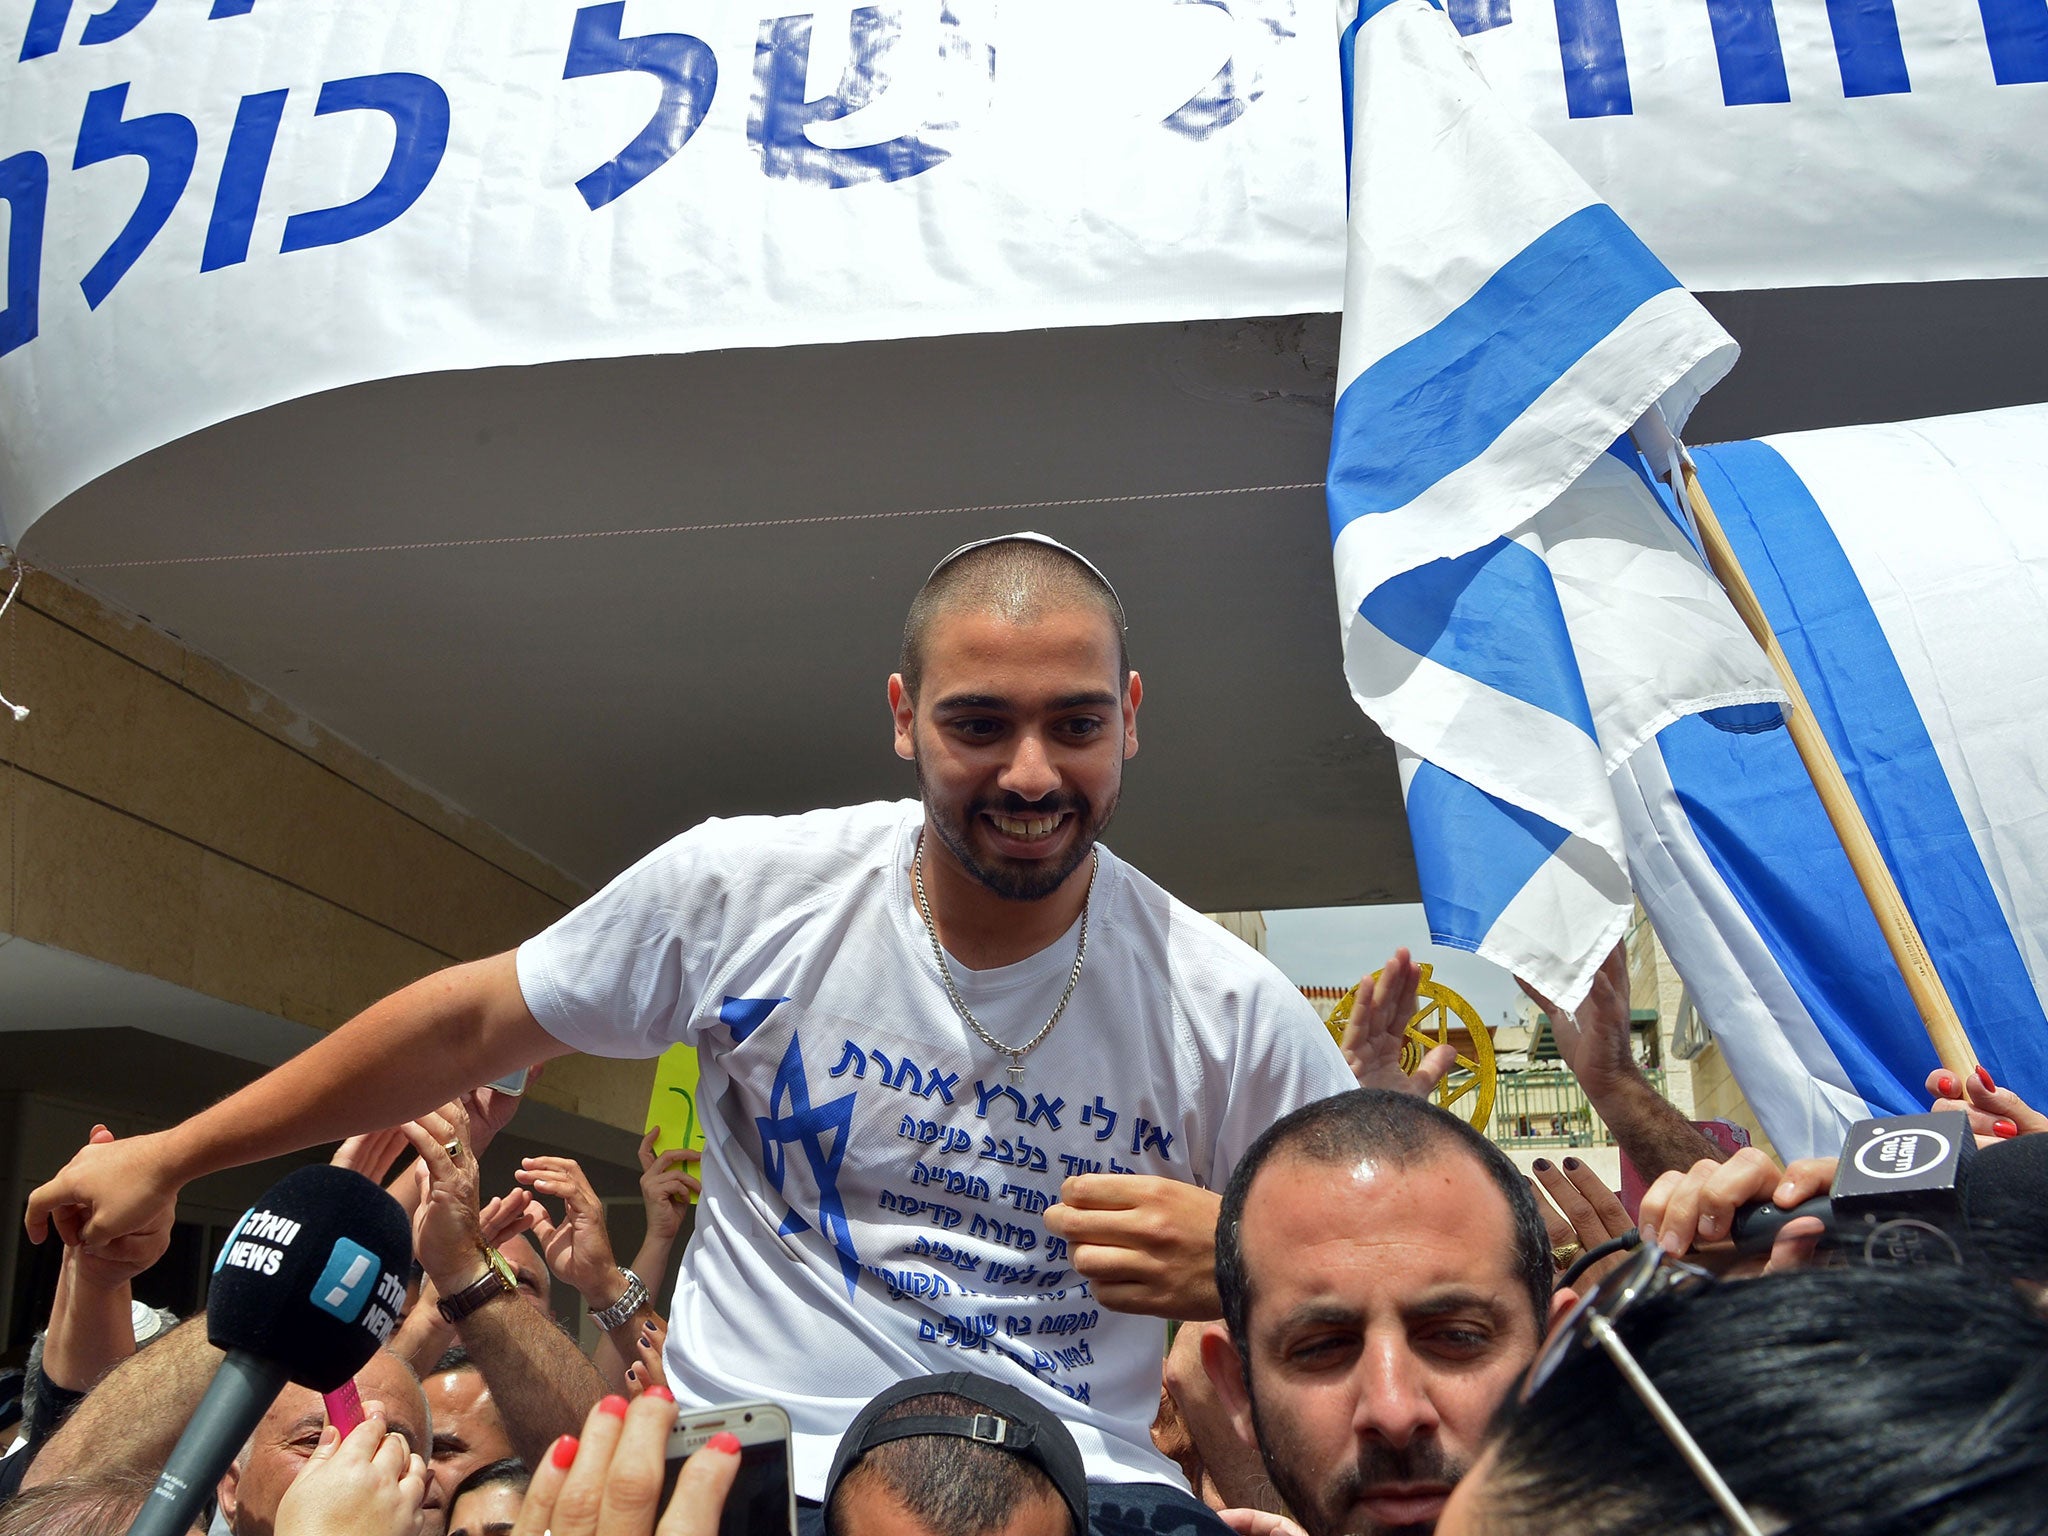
pixel 497 1279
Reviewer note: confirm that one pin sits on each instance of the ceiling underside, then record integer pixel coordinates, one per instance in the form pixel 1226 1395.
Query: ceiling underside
pixel 768 514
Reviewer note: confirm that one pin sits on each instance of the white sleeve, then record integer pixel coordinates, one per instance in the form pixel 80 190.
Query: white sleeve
pixel 1289 1060
pixel 621 974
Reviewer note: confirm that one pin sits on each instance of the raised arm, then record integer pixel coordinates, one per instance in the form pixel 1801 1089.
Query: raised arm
pixel 419 1047
pixel 540 1380
pixel 1595 1043
pixel 109 1433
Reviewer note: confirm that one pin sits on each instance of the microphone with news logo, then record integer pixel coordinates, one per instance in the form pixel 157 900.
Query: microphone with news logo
pixel 307 1288
pixel 1912 1187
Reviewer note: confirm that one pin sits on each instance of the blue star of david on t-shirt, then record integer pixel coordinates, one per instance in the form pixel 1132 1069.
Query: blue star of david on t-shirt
pixel 821 1132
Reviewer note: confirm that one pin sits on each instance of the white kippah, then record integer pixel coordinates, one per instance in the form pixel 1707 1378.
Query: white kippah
pixel 1027 537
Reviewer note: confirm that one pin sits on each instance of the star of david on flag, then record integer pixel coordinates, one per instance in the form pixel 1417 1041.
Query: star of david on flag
pixel 1520 608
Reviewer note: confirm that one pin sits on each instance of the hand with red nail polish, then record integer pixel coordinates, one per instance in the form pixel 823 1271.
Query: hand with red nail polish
pixel 610 1480
pixel 1988 1105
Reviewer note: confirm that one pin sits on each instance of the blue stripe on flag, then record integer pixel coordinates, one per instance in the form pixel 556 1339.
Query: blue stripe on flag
pixel 1838 649
pixel 1347 76
pixel 1473 854
pixel 1436 403
pixel 1491 616
pixel 1759 822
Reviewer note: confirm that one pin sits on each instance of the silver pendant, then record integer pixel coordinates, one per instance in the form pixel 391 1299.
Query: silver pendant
pixel 1016 1069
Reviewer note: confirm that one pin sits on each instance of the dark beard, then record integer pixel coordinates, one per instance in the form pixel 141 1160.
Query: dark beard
pixel 1016 881
pixel 1321 1511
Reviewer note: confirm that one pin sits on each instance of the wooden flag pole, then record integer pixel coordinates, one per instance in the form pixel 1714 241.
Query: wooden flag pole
pixel 1901 934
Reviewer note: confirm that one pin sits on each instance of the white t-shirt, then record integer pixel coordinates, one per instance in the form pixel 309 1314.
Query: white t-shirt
pixel 874 1187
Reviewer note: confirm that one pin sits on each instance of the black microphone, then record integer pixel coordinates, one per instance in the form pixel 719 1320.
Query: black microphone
pixel 1901 1184
pixel 2005 1207
pixel 306 1289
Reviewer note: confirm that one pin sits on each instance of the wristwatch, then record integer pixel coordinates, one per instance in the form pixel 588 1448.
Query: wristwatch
pixel 635 1298
pixel 496 1280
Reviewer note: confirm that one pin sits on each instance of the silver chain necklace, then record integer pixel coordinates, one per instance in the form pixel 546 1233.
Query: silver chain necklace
pixel 1016 1053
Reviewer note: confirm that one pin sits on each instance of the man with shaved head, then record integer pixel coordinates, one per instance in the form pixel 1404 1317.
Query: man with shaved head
pixel 1386 1279
pixel 968 1079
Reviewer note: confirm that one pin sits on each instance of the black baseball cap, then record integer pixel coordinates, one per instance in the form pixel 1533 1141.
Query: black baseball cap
pixel 1011 1421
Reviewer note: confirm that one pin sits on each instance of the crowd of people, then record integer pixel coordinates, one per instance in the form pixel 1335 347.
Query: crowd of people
pixel 1039 1206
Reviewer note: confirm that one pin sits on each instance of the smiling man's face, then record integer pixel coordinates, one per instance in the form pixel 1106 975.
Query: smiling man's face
pixel 1019 731
pixel 1388 1320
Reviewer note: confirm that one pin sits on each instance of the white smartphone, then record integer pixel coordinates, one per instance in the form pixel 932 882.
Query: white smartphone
pixel 763 1498
pixel 513 1083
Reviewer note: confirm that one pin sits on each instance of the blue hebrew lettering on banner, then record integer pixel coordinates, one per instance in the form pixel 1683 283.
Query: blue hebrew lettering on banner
pixel 1595 63
pixel 165 142
pixel 1474 16
pixel 25 188
pixel 418 109
pixel 822 1132
pixel 241 180
pixel 1223 100
pixel 48 19
pixel 1867 47
pixel 2017 32
pixel 687 70
pixel 1747 48
pixel 785 110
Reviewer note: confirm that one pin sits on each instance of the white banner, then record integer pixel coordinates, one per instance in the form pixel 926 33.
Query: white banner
pixel 211 206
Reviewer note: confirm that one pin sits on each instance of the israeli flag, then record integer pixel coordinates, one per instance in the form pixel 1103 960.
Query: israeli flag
pixel 1905 570
pixel 1520 612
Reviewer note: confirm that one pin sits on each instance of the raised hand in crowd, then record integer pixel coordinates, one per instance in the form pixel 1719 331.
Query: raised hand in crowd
pixel 610 1479
pixel 372 1153
pixel 578 1250
pixel 370 1484
pixel 646 1369
pixel 91 1330
pixel 1993 1111
pixel 1145 1244
pixel 1684 1210
pixel 667 1185
pixel 540 1380
pixel 1581 1213
pixel 1378 1030
pixel 1597 1043
pixel 91 1322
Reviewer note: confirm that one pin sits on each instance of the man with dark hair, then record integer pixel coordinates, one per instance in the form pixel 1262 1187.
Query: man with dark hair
pixel 469 1430
pixel 1386 1278
pixel 955 1455
pixel 969 1078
